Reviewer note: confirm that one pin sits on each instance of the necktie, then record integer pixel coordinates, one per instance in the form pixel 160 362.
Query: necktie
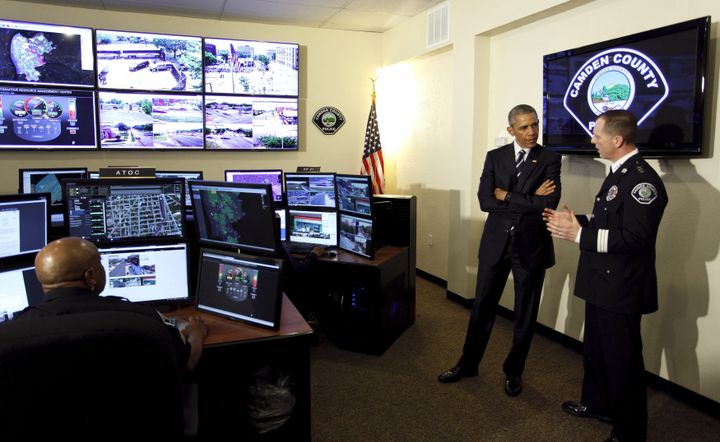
pixel 519 162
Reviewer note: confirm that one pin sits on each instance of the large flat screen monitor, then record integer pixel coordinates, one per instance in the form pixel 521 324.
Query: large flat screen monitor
pixel 251 67
pixel 659 75
pixel 24 224
pixel 240 287
pixel 311 190
pixel 36 53
pixel 251 123
pixel 356 235
pixel 147 272
pixel 150 121
pixel 125 210
pixel 19 288
pixel 48 181
pixel 235 216
pixel 156 62
pixel 43 118
pixel 354 194
pixel 312 227
pixel 272 177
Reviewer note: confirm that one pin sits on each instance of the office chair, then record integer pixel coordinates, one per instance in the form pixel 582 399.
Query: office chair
pixel 105 375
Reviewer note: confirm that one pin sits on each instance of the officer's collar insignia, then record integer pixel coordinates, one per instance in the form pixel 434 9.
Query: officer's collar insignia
pixel 612 193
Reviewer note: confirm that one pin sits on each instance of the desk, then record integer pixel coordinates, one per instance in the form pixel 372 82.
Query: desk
pixel 236 357
pixel 366 304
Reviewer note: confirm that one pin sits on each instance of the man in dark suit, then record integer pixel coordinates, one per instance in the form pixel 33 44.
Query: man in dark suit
pixel 616 278
pixel 518 181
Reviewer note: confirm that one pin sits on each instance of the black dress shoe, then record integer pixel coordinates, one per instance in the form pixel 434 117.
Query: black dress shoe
pixel 513 385
pixel 455 374
pixel 578 409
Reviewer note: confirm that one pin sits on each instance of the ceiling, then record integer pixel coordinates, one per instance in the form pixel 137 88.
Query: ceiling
pixel 354 15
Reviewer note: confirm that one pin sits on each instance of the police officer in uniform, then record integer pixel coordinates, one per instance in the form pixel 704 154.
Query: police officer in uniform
pixel 616 277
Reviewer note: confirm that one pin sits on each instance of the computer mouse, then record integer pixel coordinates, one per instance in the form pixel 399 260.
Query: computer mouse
pixel 330 253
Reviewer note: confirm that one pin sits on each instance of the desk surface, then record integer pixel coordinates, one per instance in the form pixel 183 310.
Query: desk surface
pixel 381 255
pixel 222 331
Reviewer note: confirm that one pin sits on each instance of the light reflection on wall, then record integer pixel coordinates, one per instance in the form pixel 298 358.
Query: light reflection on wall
pixel 397 106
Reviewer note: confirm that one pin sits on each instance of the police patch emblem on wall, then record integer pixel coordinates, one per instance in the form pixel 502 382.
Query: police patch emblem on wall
pixel 644 193
pixel 611 80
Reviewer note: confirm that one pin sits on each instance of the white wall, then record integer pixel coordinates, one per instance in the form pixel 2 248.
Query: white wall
pixel 336 68
pixel 498 50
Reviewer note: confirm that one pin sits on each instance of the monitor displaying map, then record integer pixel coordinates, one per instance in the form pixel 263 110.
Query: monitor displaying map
pixel 272 177
pixel 235 216
pixel 43 54
pixel 125 210
pixel 156 62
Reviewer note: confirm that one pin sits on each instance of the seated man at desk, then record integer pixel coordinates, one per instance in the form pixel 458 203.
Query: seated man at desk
pixel 72 278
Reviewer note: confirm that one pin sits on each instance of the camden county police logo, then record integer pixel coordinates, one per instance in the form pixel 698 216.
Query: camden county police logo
pixel 644 193
pixel 612 193
pixel 619 78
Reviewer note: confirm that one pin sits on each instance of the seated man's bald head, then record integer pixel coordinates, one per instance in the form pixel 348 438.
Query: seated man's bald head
pixel 70 262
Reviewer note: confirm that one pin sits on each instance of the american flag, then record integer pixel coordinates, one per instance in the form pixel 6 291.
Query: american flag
pixel 372 161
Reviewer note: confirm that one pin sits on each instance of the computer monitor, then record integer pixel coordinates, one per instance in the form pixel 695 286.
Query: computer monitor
pixel 312 227
pixel 354 193
pixel 234 216
pixel 272 177
pixel 155 273
pixel 48 180
pixel 356 235
pixel 310 190
pixel 24 224
pixel 282 227
pixel 240 287
pixel 19 288
pixel 186 175
pixel 125 210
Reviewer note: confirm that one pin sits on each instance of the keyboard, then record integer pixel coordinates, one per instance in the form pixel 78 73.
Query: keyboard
pixel 300 248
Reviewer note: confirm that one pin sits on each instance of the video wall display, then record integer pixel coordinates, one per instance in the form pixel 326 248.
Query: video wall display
pixel 42 54
pixel 150 121
pixel 134 60
pixel 150 91
pixel 233 122
pixel 43 118
pixel 251 67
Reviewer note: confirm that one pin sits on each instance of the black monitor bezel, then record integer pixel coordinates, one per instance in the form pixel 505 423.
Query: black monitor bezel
pixel 371 254
pixel 702 25
pixel 128 181
pixel 261 259
pixel 365 178
pixel 235 247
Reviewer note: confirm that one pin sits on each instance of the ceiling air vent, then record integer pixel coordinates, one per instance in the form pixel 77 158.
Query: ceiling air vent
pixel 438 25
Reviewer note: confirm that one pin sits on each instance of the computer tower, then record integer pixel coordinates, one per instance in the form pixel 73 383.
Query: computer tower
pixel 396 225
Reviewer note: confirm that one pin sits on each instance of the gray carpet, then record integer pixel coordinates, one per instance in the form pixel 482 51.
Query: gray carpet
pixel 396 396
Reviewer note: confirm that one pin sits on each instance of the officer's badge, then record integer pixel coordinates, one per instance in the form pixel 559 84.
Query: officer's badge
pixel 644 193
pixel 612 193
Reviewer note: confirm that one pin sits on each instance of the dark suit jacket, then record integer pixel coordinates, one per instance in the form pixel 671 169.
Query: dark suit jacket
pixel 522 213
pixel 616 270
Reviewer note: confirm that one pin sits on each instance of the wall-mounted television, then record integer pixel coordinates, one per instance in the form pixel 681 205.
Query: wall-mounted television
pixel 251 123
pixel 45 54
pixel 150 121
pixel 156 62
pixel 44 118
pixel 251 67
pixel 659 75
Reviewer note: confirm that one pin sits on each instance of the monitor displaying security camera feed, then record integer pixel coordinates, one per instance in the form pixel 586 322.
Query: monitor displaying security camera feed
pixel 251 123
pixel 44 118
pixel 150 121
pixel 158 62
pixel 44 54
pixel 251 67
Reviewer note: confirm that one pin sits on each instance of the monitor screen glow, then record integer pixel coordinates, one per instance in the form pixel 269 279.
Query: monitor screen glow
pixel 271 177
pixel 24 224
pixel 312 227
pixel 313 190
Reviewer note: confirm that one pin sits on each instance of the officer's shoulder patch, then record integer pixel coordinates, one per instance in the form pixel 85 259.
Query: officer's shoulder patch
pixel 644 193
